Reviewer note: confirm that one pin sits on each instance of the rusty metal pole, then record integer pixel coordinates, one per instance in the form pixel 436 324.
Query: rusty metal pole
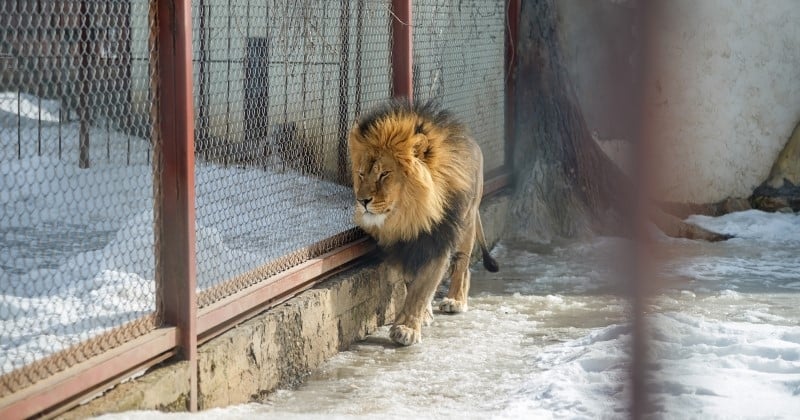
pixel 402 50
pixel 176 301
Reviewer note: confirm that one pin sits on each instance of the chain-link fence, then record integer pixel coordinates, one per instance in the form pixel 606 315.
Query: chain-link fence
pixel 459 59
pixel 76 232
pixel 277 85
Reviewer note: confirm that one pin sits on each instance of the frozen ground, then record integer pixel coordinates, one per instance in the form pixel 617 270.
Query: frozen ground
pixel 548 338
pixel 725 329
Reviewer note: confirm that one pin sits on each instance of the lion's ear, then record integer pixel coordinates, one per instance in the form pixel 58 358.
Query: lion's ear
pixel 355 136
pixel 421 146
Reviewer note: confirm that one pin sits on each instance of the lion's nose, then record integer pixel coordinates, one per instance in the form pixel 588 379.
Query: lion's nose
pixel 365 201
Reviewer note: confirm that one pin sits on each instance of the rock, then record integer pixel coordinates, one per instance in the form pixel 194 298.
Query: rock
pixel 786 168
pixel 677 228
pixel 782 189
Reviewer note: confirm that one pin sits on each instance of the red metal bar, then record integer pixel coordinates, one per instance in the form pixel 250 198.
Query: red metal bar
pixel 511 39
pixel 78 380
pixel 176 271
pixel 402 50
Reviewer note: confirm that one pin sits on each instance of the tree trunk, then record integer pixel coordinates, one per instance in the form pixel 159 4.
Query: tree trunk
pixel 566 186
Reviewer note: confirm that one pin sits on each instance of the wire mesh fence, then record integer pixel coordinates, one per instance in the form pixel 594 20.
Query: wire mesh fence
pixel 277 85
pixel 459 60
pixel 76 228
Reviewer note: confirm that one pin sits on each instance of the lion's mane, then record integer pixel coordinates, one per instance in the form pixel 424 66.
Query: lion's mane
pixel 438 172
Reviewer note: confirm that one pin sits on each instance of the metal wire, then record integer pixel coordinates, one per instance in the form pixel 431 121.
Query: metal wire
pixel 76 230
pixel 459 60
pixel 279 84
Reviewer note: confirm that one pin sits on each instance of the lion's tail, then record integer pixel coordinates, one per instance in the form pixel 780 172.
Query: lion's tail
pixel 488 261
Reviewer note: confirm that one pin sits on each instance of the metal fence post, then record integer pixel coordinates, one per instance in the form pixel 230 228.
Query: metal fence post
pixel 402 50
pixel 176 301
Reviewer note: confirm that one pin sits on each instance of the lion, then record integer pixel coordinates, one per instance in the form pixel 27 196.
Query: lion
pixel 418 182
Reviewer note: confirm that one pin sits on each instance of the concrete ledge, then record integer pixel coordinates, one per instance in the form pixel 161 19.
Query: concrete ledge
pixel 281 346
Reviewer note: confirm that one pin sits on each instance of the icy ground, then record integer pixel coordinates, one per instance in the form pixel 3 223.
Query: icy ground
pixel 548 337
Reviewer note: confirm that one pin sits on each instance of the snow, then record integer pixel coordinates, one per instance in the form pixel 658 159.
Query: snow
pixel 725 339
pixel 76 245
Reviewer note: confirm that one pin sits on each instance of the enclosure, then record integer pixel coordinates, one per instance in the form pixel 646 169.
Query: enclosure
pixel 176 207
pixel 169 168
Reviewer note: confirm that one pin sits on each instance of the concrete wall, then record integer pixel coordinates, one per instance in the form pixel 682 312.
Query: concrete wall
pixel 723 95
pixel 281 346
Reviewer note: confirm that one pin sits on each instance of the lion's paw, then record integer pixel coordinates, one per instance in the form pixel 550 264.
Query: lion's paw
pixel 452 306
pixel 404 336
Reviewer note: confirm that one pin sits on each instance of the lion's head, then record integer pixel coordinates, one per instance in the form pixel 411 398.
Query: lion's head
pixel 402 171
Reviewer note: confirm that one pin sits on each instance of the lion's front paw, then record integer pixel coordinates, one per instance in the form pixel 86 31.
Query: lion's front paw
pixel 452 306
pixel 405 336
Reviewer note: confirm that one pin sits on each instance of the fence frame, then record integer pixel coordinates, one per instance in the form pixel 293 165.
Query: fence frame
pixel 175 271
pixel 182 326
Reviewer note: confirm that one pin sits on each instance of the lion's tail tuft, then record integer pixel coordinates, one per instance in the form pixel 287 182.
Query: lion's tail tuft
pixel 489 262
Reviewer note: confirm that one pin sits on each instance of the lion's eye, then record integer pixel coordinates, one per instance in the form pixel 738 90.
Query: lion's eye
pixel 383 175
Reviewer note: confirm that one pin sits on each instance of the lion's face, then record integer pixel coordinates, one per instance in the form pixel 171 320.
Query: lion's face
pixel 377 181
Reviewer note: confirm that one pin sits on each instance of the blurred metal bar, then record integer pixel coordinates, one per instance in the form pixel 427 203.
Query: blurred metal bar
pixel 402 50
pixel 176 301
pixel 66 388
pixel 645 166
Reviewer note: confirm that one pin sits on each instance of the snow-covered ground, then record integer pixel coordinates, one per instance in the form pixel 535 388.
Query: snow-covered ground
pixel 76 245
pixel 548 337
pixel 725 329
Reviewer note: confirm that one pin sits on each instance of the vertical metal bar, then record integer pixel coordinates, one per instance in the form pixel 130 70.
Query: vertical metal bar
pixel 202 112
pixel 126 61
pixel 344 91
pixel 359 54
pixel 511 39
pixel 39 118
pixel 175 270
pixel 402 50
pixel 84 83
pixel 228 151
